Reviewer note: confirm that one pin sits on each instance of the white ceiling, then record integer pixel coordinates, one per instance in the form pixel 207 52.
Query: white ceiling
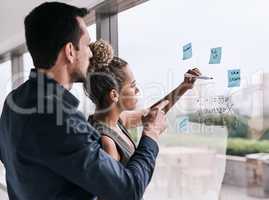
pixel 12 15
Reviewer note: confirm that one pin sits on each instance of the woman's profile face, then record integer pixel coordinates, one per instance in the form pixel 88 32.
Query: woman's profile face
pixel 129 91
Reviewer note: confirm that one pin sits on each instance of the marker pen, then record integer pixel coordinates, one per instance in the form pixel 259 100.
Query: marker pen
pixel 198 77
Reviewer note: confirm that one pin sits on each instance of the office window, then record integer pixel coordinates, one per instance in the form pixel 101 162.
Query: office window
pixel 151 39
pixel 27 65
pixel 152 35
pixel 92 32
pixel 5 81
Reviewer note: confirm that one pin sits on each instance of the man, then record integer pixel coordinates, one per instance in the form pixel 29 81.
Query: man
pixel 48 148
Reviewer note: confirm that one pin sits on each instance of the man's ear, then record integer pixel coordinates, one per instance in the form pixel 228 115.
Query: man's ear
pixel 114 95
pixel 69 50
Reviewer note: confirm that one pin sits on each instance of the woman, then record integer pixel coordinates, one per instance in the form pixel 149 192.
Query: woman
pixel 112 88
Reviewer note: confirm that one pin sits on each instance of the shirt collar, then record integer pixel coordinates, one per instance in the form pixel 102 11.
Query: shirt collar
pixel 44 81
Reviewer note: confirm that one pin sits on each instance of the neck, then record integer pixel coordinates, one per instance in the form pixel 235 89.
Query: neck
pixel 60 75
pixel 110 117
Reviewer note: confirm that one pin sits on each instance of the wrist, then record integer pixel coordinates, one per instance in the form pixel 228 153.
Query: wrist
pixel 151 133
pixel 184 87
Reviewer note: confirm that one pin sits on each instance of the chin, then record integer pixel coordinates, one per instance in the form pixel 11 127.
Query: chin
pixel 129 108
pixel 130 105
pixel 133 107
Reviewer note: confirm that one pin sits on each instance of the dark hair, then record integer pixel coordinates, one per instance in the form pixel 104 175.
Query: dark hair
pixel 48 28
pixel 106 73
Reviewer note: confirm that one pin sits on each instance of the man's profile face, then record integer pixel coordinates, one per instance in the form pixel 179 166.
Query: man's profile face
pixel 83 54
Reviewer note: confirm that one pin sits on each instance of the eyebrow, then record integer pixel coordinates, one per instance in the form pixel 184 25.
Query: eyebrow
pixel 133 82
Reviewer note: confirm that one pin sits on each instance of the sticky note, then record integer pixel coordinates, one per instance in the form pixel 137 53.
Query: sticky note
pixel 215 56
pixel 182 124
pixel 234 78
pixel 187 51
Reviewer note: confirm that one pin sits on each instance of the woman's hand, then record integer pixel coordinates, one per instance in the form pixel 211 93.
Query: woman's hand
pixel 188 82
pixel 155 121
pixel 132 119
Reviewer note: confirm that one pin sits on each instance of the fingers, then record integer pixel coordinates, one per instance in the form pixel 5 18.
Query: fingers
pixel 155 122
pixel 195 72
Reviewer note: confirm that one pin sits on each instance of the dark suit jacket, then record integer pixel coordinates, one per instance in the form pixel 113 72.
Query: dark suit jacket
pixel 51 152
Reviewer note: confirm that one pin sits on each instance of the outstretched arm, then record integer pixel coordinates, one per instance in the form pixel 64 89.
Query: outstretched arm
pixel 132 119
pixel 178 92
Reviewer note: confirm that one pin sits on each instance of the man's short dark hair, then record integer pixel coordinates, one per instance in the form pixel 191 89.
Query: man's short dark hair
pixel 48 28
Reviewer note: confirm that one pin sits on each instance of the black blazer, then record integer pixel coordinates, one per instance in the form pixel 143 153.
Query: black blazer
pixel 51 152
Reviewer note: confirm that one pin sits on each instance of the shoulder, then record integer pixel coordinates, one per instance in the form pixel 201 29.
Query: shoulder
pixel 108 142
pixel 110 147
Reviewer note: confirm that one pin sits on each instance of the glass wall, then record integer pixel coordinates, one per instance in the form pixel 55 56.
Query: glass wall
pixel 27 65
pixel 5 81
pixel 152 37
pixel 92 32
pixel 153 34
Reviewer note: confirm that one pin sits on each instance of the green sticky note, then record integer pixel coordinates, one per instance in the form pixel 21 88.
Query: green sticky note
pixel 187 51
pixel 215 56
pixel 234 78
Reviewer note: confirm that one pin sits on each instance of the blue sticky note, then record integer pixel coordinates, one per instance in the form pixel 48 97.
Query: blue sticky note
pixel 182 124
pixel 234 78
pixel 215 56
pixel 187 51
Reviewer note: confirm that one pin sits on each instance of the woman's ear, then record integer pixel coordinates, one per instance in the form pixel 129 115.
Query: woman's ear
pixel 114 96
pixel 69 50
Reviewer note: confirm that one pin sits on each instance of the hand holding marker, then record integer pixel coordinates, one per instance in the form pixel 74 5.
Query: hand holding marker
pixel 188 75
